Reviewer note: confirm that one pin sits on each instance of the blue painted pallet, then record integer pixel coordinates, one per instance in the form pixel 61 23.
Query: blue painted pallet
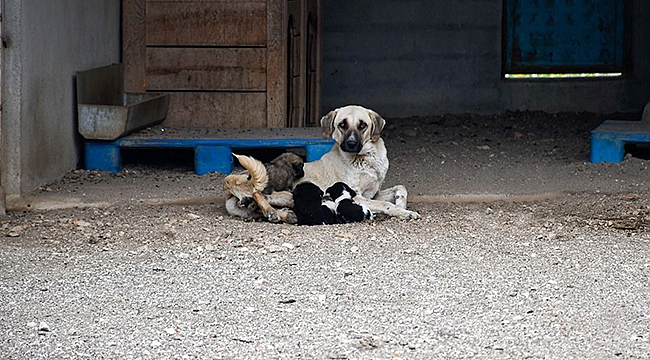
pixel 608 140
pixel 212 148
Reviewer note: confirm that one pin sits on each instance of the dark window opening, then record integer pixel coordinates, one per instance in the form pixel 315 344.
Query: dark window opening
pixel 564 38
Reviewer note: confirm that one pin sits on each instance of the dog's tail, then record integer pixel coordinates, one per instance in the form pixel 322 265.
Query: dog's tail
pixel 259 178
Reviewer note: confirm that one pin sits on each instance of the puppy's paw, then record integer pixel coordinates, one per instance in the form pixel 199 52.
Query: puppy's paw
pixel 288 216
pixel 272 216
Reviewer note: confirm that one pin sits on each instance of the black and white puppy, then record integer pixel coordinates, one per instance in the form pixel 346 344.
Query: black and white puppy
pixel 310 207
pixel 347 210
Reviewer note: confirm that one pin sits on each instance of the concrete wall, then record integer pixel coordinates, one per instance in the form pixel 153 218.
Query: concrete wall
pixel 47 42
pixel 428 57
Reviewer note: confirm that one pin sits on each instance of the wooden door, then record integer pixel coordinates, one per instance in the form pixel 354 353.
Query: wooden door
pixel 304 48
pixel 224 62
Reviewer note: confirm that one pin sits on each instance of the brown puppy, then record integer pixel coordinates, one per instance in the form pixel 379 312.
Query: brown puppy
pixel 254 192
pixel 283 171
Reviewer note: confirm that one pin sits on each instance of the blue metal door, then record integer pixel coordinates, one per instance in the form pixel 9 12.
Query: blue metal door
pixel 562 36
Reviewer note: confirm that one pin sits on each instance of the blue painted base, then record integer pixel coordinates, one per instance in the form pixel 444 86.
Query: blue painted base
pixel 608 140
pixel 209 154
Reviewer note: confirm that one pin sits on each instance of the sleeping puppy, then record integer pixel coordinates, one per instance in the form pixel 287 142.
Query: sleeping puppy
pixel 347 210
pixel 310 207
pixel 256 192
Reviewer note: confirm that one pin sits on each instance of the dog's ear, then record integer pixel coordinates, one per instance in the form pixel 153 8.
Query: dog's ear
pixel 378 123
pixel 327 124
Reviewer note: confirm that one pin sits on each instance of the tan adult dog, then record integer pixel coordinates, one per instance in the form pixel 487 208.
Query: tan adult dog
pixel 358 159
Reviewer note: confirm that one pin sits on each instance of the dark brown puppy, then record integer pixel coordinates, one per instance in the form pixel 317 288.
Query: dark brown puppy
pixel 283 171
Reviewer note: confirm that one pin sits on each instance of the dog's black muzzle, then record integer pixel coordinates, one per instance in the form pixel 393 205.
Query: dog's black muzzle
pixel 351 142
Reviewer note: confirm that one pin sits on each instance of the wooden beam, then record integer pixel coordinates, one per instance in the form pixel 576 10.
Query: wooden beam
pixel 206 69
pixel 276 73
pixel 133 45
pixel 206 24
pixel 216 109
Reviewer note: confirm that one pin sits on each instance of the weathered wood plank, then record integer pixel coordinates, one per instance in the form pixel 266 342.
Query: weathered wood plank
pixel 206 23
pixel 133 45
pixel 206 69
pixel 217 109
pixel 209 1
pixel 276 75
pixel 314 27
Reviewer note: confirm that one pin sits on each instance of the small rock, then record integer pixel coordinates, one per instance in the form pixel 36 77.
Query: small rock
pixel 209 247
pixel 193 216
pixel 81 223
pixel 31 324
pixel 260 281
pixel 447 331
pixel 43 326
pixel 155 343
pixel 170 331
pixel 354 249
pixel 275 248
pixel 16 230
pixel 483 147
pixel 289 246
pixel 630 197
pixel 489 211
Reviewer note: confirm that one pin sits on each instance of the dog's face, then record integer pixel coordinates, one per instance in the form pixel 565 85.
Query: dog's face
pixel 352 127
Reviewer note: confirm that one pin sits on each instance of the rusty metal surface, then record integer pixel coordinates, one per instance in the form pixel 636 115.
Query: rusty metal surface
pixel 564 36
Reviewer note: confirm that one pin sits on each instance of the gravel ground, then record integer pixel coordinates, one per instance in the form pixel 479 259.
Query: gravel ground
pixel 524 250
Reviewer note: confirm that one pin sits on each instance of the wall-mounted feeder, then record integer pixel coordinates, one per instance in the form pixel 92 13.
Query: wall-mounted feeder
pixel 106 112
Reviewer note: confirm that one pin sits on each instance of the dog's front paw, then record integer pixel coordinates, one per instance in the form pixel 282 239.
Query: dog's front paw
pixel 408 215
